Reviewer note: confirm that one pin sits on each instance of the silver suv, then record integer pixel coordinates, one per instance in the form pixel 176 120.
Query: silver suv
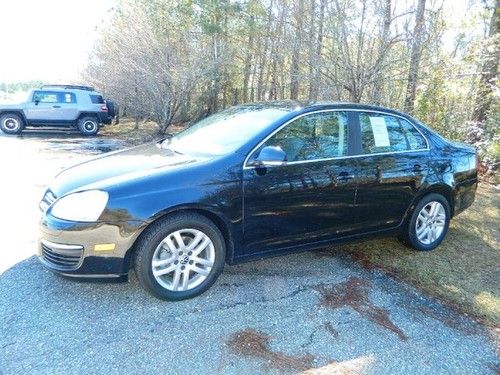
pixel 57 105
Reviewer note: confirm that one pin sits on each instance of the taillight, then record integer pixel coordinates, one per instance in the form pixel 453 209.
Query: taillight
pixel 104 108
pixel 478 162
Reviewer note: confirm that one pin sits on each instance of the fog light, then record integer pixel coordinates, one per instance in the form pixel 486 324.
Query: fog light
pixel 104 247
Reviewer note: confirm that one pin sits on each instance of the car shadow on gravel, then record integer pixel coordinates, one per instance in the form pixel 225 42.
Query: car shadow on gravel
pixel 295 313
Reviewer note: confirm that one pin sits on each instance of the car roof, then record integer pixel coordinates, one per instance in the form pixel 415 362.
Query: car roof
pixel 310 106
pixel 62 89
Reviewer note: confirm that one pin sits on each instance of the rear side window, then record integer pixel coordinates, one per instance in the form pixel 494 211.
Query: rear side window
pixel 415 140
pixel 384 133
pixel 68 97
pixel 97 99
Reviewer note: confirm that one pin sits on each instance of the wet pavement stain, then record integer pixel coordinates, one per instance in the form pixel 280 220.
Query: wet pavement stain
pixel 252 343
pixel 354 293
pixel 330 329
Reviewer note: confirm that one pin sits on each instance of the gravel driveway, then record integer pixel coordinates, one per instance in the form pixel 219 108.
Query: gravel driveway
pixel 316 313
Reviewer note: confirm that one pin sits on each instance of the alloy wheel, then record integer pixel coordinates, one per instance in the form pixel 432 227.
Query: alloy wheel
pixel 430 222
pixel 183 259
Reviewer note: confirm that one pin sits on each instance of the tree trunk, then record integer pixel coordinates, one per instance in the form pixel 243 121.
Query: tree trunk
pixel 312 56
pixel 489 70
pixel 416 53
pixel 136 112
pixel 378 88
pixel 248 61
pixel 296 47
pixel 319 48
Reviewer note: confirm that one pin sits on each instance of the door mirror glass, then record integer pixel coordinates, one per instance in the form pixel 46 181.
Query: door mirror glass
pixel 270 155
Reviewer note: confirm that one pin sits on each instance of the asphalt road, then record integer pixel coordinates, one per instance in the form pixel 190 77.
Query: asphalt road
pixel 317 313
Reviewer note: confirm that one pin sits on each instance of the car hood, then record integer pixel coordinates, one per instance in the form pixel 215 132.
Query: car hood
pixel 117 166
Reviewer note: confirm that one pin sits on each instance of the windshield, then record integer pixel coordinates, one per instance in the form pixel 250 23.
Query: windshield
pixel 224 132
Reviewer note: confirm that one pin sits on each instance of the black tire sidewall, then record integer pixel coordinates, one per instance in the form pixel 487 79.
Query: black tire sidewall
pixel 81 125
pixel 13 116
pixel 412 238
pixel 148 244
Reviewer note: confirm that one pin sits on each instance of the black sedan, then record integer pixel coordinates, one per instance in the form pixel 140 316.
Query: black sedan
pixel 254 181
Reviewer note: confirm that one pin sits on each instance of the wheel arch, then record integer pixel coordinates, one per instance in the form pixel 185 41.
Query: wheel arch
pixel 18 112
pixel 88 114
pixel 442 189
pixel 216 218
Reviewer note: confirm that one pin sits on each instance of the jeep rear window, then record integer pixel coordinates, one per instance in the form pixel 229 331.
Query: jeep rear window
pixel 97 99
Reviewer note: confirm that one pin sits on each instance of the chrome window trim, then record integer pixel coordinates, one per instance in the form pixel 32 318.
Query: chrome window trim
pixel 246 166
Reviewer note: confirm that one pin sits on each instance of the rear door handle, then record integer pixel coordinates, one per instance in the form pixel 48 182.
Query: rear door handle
pixel 56 106
pixel 344 176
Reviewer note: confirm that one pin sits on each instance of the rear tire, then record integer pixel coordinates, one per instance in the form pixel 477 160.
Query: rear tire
pixel 428 223
pixel 88 125
pixel 11 123
pixel 180 256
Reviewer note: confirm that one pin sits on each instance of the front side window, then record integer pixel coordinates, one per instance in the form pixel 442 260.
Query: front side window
pixel 313 137
pixel 46 97
pixel 384 133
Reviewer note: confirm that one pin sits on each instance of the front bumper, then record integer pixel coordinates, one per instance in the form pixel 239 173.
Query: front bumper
pixel 76 249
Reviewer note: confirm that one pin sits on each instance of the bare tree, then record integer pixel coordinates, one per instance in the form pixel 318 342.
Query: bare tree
pixel 296 49
pixel 416 53
pixel 489 69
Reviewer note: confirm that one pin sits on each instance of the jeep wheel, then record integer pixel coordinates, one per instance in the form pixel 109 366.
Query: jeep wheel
pixel 11 123
pixel 88 125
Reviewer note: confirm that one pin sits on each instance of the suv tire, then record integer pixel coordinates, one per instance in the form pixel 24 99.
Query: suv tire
pixel 179 256
pixel 11 123
pixel 88 125
pixel 428 223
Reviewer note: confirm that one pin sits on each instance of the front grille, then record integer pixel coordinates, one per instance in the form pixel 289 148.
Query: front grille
pixel 47 200
pixel 63 257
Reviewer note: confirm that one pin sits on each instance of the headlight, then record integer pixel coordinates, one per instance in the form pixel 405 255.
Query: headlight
pixel 86 206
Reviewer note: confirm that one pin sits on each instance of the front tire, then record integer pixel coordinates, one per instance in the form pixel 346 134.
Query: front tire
pixel 180 256
pixel 428 224
pixel 88 125
pixel 11 123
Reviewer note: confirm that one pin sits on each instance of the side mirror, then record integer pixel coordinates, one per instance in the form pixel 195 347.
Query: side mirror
pixel 37 101
pixel 270 156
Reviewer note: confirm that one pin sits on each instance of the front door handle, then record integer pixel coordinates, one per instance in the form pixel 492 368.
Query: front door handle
pixel 56 106
pixel 344 176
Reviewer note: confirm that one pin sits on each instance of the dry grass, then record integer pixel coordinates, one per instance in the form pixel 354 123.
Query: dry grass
pixel 464 271
pixel 125 130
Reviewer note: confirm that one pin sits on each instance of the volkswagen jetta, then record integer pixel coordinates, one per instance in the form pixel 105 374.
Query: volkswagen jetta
pixel 253 181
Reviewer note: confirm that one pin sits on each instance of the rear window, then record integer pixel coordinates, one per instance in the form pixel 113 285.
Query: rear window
pixel 97 99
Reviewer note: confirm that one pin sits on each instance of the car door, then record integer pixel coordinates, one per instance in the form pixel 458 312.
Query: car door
pixel 309 198
pixel 68 107
pixel 391 166
pixel 43 106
